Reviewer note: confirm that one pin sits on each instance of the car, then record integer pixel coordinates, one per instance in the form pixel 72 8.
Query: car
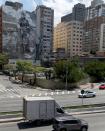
pixel 102 86
pixel 69 123
pixel 87 94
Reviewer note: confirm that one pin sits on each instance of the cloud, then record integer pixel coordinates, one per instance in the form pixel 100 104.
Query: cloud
pixel 62 7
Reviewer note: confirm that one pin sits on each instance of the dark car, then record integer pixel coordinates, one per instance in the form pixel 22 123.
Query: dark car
pixel 102 87
pixel 69 123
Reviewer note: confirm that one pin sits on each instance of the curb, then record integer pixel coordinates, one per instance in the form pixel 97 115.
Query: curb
pixel 90 112
pixel 11 120
pixel 75 113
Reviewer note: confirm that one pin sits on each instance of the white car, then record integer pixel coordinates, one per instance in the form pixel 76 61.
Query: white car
pixel 87 94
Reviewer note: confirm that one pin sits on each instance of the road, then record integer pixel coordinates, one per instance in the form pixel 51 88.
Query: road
pixel 11 96
pixel 96 123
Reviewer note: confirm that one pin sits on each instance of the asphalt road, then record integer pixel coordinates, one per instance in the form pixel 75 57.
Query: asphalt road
pixel 96 123
pixel 12 94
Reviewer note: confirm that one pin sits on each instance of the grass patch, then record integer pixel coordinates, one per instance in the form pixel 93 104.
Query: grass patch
pixel 84 106
pixel 11 113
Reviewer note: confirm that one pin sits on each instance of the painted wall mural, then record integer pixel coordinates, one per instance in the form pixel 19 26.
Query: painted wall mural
pixel 19 33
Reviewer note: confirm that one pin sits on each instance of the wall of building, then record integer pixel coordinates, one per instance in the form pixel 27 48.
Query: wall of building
pixel 69 36
pixel 19 32
pixel 44 25
pixel 60 37
pixel 92 34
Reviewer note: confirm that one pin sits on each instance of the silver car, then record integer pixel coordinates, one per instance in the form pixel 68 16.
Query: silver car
pixel 68 123
pixel 87 94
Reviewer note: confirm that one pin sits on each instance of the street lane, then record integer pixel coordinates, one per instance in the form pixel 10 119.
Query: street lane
pixel 15 104
pixel 11 96
pixel 96 123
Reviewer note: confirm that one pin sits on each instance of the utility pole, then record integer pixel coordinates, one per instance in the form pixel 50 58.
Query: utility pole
pixel 66 84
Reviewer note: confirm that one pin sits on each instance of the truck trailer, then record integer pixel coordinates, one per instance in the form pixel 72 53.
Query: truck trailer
pixel 41 108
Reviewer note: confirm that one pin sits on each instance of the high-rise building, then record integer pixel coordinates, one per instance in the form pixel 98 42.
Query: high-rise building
pixel 94 27
pixel 96 9
pixel 69 35
pixel 92 34
pixel 0 29
pixel 66 18
pixel 44 29
pixel 78 14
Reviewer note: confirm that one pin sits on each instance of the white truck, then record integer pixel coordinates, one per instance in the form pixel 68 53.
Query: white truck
pixel 41 108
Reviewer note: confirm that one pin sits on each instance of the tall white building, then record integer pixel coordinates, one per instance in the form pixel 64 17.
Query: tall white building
pixel 44 27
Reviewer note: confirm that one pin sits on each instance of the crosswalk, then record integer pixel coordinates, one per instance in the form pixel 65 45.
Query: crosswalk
pixel 12 92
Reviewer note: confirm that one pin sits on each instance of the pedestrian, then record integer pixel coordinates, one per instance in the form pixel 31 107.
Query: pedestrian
pixel 92 85
pixel 9 77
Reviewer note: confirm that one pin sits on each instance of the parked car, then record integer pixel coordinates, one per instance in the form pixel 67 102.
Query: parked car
pixel 102 87
pixel 69 123
pixel 87 94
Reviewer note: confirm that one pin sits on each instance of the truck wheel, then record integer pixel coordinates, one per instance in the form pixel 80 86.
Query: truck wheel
pixel 38 122
pixel 84 129
pixel 63 129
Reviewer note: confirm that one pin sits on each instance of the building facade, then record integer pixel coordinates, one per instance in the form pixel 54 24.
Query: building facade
pixel 44 29
pixel 93 30
pixel 78 14
pixel 94 27
pixel 0 29
pixel 66 18
pixel 96 9
pixel 60 37
pixel 69 35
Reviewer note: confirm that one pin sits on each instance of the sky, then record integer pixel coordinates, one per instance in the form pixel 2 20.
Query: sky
pixel 61 7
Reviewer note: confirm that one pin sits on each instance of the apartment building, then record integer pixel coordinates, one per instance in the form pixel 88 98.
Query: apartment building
pixel 96 9
pixel 94 27
pixel 69 35
pixel 44 29
pixel 60 37
pixel 0 29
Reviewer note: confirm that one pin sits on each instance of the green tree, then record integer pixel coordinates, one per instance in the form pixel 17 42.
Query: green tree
pixel 96 70
pixel 3 60
pixel 24 67
pixel 74 72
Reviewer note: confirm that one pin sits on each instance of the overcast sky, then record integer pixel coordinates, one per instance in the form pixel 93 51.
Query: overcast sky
pixel 61 7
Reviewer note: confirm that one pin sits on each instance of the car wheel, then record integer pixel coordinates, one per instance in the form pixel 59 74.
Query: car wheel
pixel 84 129
pixel 63 129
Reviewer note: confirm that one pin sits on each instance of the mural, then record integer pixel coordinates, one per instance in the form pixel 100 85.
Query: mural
pixel 19 33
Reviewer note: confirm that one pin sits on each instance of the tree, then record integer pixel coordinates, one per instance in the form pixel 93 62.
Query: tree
pixel 74 72
pixel 24 67
pixel 96 70
pixel 3 60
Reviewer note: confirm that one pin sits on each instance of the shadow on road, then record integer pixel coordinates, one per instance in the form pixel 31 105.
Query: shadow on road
pixel 26 125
